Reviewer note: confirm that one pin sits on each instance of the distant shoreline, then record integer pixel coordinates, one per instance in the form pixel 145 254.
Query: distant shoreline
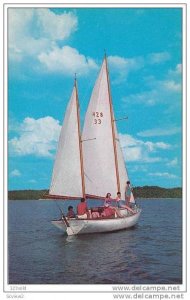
pixel 144 192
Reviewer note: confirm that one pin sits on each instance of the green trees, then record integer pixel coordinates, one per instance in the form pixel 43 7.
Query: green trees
pixel 26 194
pixel 139 192
pixel 157 192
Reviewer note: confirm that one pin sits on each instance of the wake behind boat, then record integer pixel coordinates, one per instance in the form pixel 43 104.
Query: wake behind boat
pixel 91 165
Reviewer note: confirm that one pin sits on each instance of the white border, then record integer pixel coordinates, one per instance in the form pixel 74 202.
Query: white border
pixel 92 288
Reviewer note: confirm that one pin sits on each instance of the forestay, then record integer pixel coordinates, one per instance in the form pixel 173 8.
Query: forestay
pixel 66 178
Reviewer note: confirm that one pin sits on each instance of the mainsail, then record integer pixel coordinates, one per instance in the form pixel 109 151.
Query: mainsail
pixel 104 166
pixel 67 179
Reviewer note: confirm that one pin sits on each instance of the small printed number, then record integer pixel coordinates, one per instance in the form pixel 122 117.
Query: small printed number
pixel 99 115
pixel 97 121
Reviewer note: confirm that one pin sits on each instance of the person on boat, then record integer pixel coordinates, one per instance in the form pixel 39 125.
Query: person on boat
pixel 118 200
pixel 113 210
pixel 107 199
pixel 71 213
pixel 121 205
pixel 130 200
pixel 82 209
pixel 128 192
pixel 95 213
pixel 108 212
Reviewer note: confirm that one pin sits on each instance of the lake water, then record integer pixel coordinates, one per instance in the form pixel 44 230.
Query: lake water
pixel 150 253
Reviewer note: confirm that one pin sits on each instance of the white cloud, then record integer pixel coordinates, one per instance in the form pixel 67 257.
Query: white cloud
pixel 159 132
pixel 159 91
pixel 32 181
pixel 164 174
pixel 176 72
pixel 171 85
pixel 125 64
pixel 67 60
pixel 147 97
pixel 54 26
pixel 121 66
pixel 33 30
pixel 15 173
pixel 37 137
pixel 157 58
pixel 139 168
pixel 173 162
pixel 138 150
pixel 35 33
pixel 158 145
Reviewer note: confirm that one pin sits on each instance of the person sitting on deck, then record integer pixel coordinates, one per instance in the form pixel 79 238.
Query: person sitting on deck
pixel 120 205
pixel 71 213
pixel 118 200
pixel 107 199
pixel 82 210
pixel 108 212
pixel 95 213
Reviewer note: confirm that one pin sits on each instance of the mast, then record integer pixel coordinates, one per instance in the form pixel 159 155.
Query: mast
pixel 80 139
pixel 113 130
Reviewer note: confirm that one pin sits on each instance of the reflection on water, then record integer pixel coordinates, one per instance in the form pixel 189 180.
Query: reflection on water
pixel 70 239
pixel 147 253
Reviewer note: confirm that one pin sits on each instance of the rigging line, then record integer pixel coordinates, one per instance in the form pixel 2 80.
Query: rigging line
pixel 62 214
pixel 88 140
pixel 59 208
pixel 90 180
pixel 87 177
pixel 124 118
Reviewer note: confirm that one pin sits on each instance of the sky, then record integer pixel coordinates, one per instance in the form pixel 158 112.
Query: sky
pixel 46 47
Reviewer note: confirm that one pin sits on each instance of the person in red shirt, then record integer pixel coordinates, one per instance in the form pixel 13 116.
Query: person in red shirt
pixel 82 210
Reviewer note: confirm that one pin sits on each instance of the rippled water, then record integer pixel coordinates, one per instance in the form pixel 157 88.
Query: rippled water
pixel 150 253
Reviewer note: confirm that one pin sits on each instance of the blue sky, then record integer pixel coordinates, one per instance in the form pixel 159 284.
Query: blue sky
pixel 46 48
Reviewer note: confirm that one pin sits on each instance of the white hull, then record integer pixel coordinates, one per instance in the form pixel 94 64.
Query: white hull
pixel 82 226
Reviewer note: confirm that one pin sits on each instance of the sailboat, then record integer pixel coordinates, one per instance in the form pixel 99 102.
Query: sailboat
pixel 90 164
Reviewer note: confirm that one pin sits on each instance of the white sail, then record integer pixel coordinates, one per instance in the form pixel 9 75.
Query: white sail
pixel 99 155
pixel 132 199
pixel 66 178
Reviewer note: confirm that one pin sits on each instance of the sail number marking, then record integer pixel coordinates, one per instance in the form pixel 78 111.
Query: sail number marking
pixel 97 117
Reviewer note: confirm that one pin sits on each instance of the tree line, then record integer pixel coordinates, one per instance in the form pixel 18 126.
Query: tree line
pixel 157 192
pixel 139 192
